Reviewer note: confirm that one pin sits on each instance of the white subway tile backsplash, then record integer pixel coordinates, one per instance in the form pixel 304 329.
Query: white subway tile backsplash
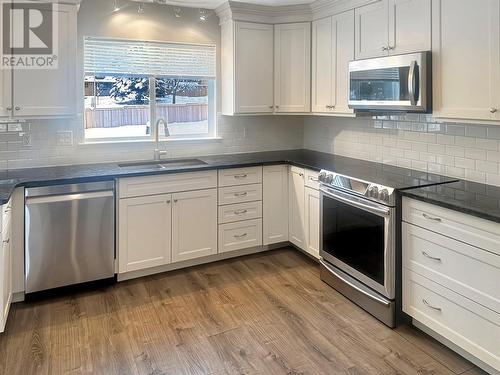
pixel 467 151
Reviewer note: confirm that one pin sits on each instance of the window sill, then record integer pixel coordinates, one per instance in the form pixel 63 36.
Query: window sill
pixel 148 141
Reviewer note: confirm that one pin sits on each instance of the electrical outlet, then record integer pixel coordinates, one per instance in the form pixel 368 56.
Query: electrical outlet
pixel 65 138
pixel 15 127
pixel 26 139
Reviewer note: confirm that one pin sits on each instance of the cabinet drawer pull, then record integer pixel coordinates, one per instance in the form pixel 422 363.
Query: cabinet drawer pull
pixel 431 257
pixel 431 307
pixel 313 179
pixel 493 110
pixel 436 219
pixel 240 235
pixel 175 200
pixel 240 212
pixel 17 108
pixel 384 48
pixel 240 176
pixel 168 201
pixel 240 194
pixel 9 108
pixel 6 241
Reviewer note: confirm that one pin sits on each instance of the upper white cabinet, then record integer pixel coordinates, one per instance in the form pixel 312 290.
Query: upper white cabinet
pixel 275 204
pixel 194 224
pixel 48 92
pixel 392 27
pixel 332 49
pixel 466 62
pixel 144 232
pixel 292 67
pixel 247 68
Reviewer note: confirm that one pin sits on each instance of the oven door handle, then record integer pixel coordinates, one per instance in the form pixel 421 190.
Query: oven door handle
pixel 369 295
pixel 376 210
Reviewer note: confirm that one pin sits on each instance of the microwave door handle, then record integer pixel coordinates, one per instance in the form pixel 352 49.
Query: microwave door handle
pixel 412 83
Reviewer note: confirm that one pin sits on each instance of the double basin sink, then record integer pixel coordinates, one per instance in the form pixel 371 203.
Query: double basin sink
pixel 163 164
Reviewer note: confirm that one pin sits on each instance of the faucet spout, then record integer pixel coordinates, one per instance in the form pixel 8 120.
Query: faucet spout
pixel 157 152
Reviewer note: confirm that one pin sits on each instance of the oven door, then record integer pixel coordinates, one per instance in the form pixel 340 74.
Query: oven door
pixel 358 237
pixel 389 83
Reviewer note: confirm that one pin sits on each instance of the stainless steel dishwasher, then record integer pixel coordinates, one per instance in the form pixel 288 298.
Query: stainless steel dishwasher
pixel 69 234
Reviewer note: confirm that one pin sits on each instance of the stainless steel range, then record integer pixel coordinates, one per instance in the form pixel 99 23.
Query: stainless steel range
pixel 358 242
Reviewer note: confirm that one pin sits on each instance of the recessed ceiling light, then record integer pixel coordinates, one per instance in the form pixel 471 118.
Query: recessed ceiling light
pixel 140 9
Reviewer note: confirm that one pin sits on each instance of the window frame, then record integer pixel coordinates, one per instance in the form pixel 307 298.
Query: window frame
pixel 212 110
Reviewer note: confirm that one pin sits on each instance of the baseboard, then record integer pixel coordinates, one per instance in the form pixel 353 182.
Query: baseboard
pixel 198 261
pixel 455 348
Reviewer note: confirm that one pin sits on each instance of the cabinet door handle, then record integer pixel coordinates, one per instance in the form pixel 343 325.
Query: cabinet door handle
pixel 390 48
pixel 240 194
pixel 240 235
pixel 17 108
pixel 493 110
pixel 431 257
pixel 384 48
pixel 430 306
pixel 240 212
pixel 238 176
pixel 175 201
pixel 6 241
pixel 301 174
pixel 436 219
pixel 313 179
pixel 271 107
pixel 9 108
pixel 168 201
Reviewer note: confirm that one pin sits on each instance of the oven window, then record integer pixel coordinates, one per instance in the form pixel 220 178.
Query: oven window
pixel 355 237
pixel 389 84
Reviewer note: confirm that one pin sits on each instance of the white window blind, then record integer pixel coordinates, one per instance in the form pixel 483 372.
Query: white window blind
pixel 126 57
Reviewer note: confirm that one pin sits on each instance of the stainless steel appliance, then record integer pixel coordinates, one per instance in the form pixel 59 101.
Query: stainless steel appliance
pixel 358 242
pixel 69 234
pixel 393 83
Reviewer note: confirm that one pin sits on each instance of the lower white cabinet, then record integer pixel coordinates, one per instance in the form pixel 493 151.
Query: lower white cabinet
pixel 144 232
pixel 312 219
pixel 275 204
pixel 240 235
pixel 194 224
pixel 296 218
pixel 5 266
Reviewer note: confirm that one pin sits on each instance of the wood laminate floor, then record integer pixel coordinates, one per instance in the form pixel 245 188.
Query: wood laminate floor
pixel 262 314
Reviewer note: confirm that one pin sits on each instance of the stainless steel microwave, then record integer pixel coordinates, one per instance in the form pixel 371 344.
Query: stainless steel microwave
pixel 392 83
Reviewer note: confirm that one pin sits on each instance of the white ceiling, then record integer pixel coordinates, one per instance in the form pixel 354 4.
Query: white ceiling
pixel 212 4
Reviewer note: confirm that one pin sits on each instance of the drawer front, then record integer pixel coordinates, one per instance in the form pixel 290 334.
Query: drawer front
pixel 168 183
pixel 312 179
pixel 468 325
pixel 240 235
pixel 466 228
pixel 240 211
pixel 240 194
pixel 240 176
pixel 453 264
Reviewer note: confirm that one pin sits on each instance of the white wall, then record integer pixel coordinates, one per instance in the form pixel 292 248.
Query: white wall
pixel 467 151
pixel 96 18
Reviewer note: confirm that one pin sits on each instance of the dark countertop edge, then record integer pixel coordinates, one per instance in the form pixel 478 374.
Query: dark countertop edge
pixel 455 207
pixel 107 177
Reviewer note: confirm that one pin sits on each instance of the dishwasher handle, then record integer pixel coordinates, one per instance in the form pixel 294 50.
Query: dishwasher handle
pixel 69 197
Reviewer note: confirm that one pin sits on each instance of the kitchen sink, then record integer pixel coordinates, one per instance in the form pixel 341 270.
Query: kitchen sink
pixel 164 164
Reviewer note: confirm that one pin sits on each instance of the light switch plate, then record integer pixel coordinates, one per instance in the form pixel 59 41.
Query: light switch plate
pixel 65 138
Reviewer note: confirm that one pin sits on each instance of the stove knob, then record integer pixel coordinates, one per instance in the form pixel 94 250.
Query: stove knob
pixel 373 192
pixel 322 176
pixel 329 178
pixel 384 195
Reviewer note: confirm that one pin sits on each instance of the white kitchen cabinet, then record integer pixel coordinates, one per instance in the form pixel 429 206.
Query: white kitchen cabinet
pixel 392 27
pixel 247 67
pixel 292 67
pixel 5 265
pixel 194 224
pixel 466 61
pixel 50 92
pixel 296 224
pixel 144 232
pixel 275 204
pixel 312 219
pixel 332 49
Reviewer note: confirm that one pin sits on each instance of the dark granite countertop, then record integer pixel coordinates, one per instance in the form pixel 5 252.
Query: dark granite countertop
pixel 398 178
pixel 465 196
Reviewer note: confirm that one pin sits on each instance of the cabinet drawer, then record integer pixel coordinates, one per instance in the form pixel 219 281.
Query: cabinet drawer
pixel 468 325
pixel 167 183
pixel 312 179
pixel 466 228
pixel 240 235
pixel 453 264
pixel 240 194
pixel 240 211
pixel 240 176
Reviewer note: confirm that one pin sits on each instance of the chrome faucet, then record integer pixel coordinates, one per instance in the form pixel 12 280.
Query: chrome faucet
pixel 158 153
